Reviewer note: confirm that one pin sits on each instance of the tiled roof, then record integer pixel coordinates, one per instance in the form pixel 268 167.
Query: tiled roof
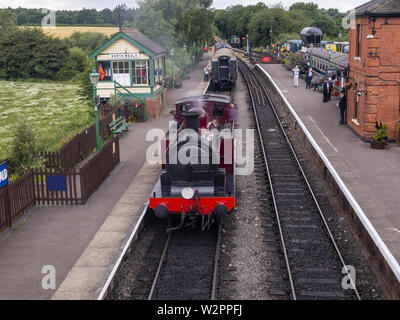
pixel 379 8
pixel 146 42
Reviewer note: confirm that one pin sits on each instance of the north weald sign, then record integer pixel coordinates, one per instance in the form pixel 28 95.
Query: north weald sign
pixel 3 175
pixel 118 56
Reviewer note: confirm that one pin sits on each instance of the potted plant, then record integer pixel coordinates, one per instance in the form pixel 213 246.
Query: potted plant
pixel 378 140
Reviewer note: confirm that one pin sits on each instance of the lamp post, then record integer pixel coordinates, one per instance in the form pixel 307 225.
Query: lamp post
pixel 312 46
pixel 184 62
pixel 172 55
pixel 94 78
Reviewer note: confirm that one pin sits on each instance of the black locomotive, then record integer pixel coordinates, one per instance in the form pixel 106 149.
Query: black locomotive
pixel 224 68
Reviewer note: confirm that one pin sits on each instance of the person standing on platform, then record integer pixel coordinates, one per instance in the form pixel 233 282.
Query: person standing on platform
pixel 206 74
pixel 232 113
pixel 330 89
pixel 342 106
pixel 325 90
pixel 309 78
pixel 296 73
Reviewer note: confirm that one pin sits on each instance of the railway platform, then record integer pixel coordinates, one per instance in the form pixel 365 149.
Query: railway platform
pixel 82 243
pixel 372 176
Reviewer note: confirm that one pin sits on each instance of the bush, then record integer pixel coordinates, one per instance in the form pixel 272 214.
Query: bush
pixel 116 101
pixel 24 149
pixel 381 133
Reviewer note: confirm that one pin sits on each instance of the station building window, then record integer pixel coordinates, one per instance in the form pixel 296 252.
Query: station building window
pixel 104 69
pixel 140 72
pixel 356 104
pixel 358 48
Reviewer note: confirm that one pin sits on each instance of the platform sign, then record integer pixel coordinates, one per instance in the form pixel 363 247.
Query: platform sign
pixel 3 175
pixel 123 56
pixel 157 72
pixel 266 60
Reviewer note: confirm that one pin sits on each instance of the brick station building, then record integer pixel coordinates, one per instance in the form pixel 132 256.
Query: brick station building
pixel 374 64
pixel 133 66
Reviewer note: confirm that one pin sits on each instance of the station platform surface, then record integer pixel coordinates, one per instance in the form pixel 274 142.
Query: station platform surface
pixel 372 176
pixel 74 239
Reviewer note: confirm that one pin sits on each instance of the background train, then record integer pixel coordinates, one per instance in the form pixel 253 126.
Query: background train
pixel 204 185
pixel 224 67
pixel 236 41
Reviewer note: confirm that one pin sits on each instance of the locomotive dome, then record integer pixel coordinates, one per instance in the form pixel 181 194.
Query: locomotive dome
pixel 311 35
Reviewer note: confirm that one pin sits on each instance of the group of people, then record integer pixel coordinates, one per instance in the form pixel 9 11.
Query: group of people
pixel 327 87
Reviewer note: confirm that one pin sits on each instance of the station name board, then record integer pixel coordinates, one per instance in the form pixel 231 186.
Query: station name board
pixel 3 174
pixel 117 56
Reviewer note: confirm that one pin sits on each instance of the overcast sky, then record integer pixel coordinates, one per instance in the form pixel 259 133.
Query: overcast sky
pixel 342 5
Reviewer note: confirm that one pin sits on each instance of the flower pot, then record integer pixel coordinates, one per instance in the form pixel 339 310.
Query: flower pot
pixel 378 144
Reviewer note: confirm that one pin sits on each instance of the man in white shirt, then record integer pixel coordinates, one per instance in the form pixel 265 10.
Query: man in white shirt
pixel 206 74
pixel 296 73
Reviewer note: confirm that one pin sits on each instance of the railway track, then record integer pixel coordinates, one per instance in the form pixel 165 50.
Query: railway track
pixel 312 260
pixel 188 266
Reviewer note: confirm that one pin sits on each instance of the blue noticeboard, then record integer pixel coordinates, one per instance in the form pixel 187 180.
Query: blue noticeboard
pixel 56 183
pixel 3 174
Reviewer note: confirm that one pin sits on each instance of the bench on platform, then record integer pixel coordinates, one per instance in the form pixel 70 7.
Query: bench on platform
pixel 118 125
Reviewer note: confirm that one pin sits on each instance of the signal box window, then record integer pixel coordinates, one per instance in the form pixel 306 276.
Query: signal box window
pixel 121 72
pixel 140 72
pixel 104 69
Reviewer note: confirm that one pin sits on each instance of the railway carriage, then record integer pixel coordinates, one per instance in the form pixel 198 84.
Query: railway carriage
pixel 198 170
pixel 332 64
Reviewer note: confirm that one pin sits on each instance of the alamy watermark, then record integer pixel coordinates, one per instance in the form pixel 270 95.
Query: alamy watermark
pixel 349 21
pixel 49 21
pixel 349 280
pixel 203 148
pixel 49 280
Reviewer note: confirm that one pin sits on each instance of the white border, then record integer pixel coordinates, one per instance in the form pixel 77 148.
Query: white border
pixel 117 264
pixel 394 265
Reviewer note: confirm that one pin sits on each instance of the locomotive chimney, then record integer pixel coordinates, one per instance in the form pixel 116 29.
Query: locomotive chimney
pixel 191 120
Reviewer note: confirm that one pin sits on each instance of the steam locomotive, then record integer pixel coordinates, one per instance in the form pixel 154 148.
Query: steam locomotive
pixel 224 68
pixel 198 170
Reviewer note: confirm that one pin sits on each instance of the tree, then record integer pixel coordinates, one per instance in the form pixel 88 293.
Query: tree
pixel 86 41
pixel 8 20
pixel 29 53
pixel 74 65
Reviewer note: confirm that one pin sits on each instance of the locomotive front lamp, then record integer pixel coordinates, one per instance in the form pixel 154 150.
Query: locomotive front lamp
pixel 188 193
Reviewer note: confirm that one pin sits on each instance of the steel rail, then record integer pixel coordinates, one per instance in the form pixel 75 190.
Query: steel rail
pixel 271 185
pixel 160 264
pixel 309 188
pixel 214 287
